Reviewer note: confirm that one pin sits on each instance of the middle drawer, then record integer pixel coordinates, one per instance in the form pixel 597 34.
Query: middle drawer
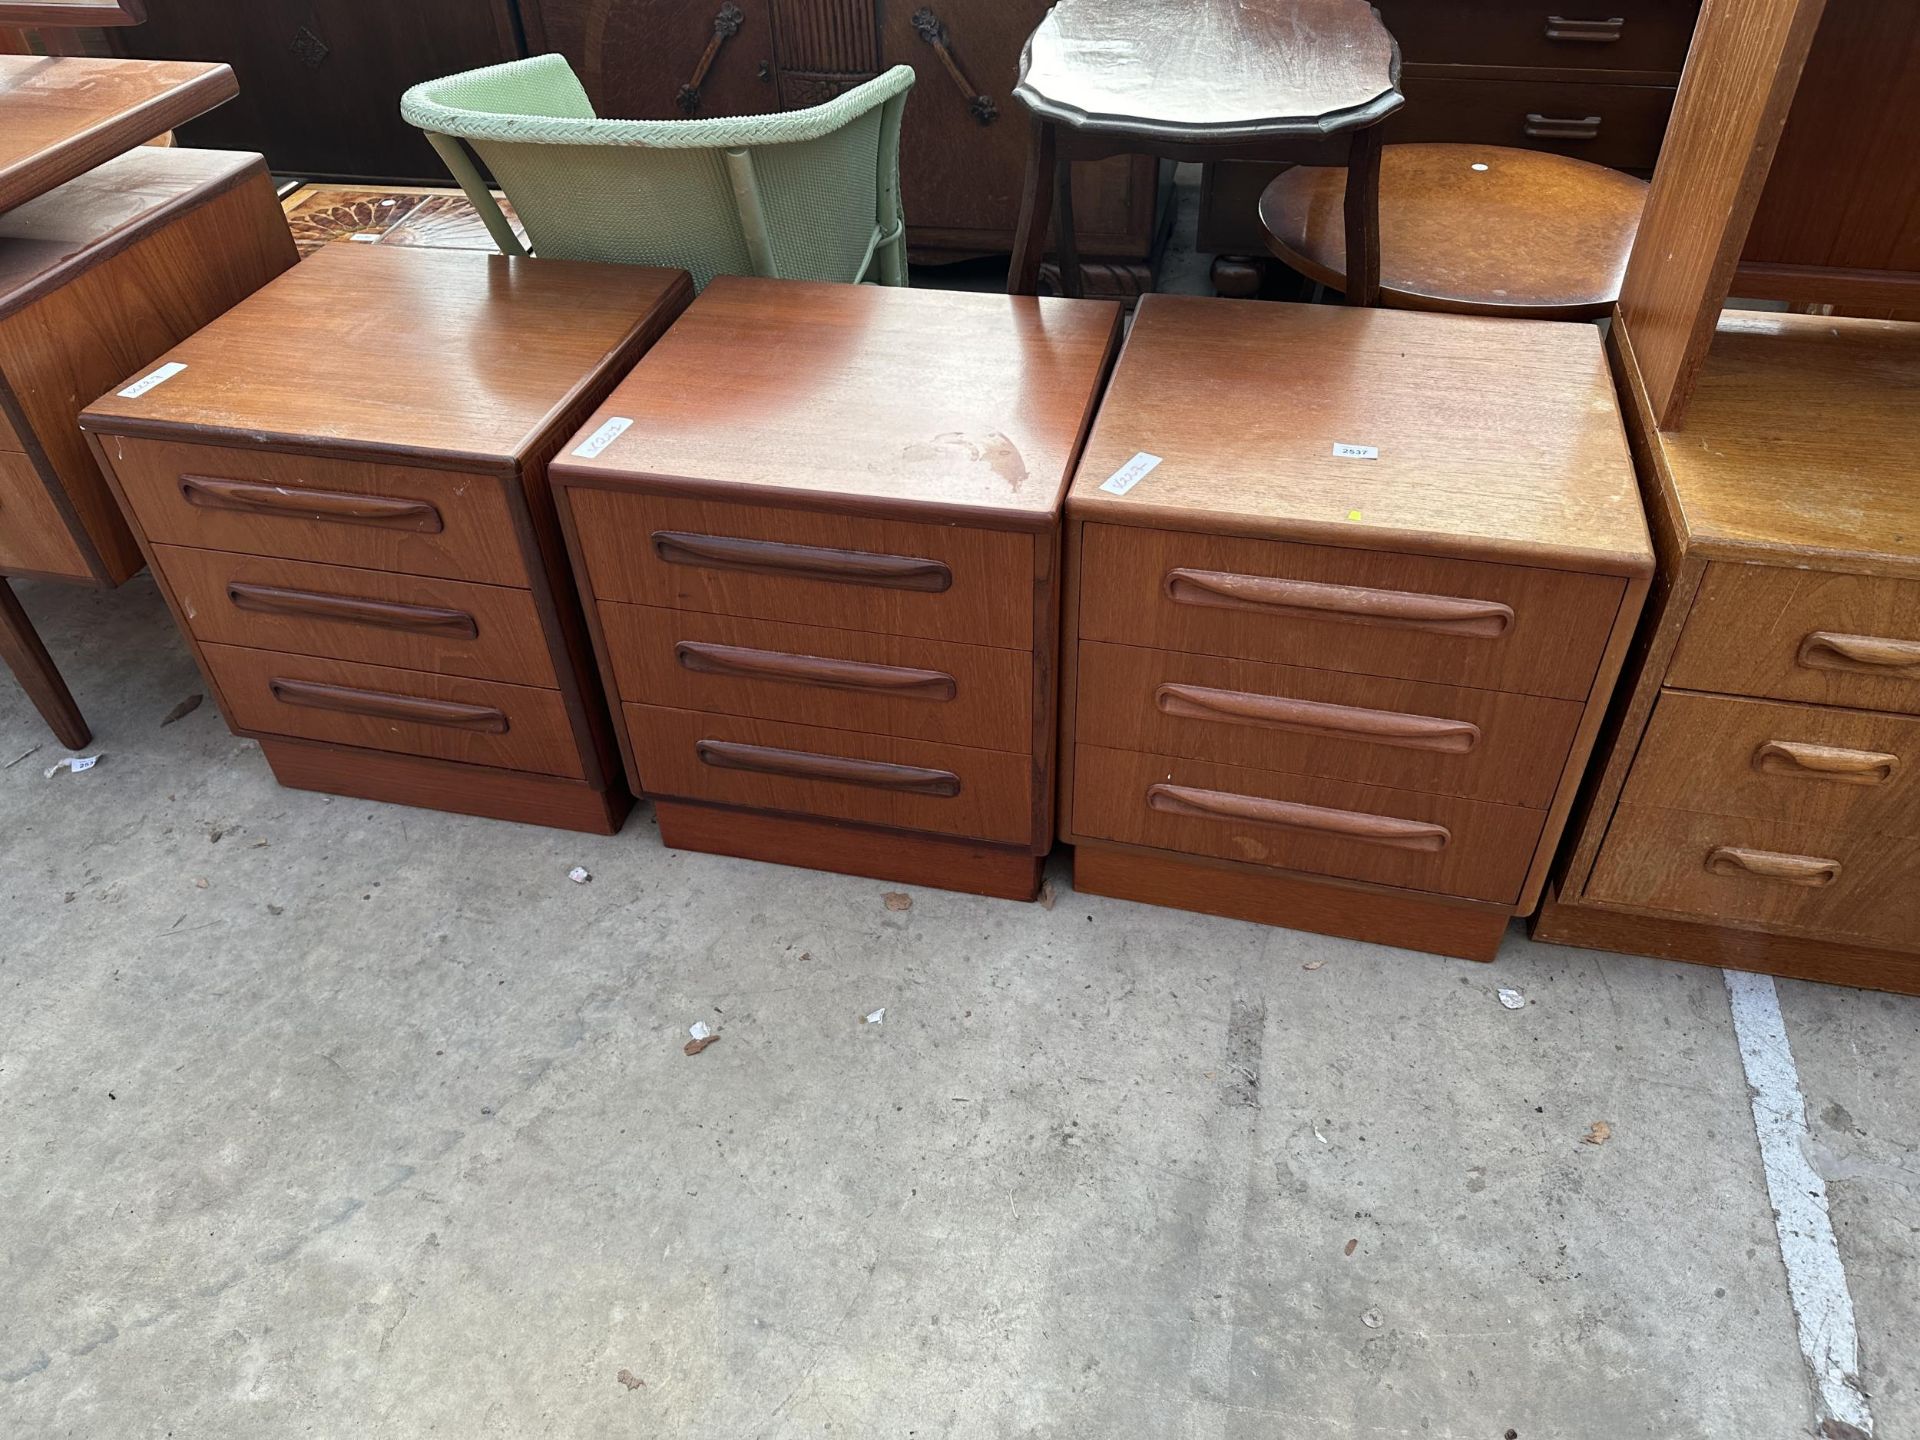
pixel 840 679
pixel 450 627
pixel 1445 739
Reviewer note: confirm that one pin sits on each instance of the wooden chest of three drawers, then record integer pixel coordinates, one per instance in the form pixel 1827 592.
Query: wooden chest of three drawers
pixel 1759 803
pixel 817 531
pixel 341 488
pixel 1348 593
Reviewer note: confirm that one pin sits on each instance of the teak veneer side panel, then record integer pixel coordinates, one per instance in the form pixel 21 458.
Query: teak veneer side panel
pixel 1732 105
pixel 113 319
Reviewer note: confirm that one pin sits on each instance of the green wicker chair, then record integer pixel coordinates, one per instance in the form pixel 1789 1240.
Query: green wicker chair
pixel 808 194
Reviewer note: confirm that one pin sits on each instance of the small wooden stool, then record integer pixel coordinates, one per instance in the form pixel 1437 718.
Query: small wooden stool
pixel 1471 229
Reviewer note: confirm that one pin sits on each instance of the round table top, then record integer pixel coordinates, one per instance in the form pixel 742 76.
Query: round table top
pixel 1473 229
pixel 1212 69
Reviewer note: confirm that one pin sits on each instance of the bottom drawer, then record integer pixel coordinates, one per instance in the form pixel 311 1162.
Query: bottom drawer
pixel 444 717
pixel 833 774
pixel 1474 849
pixel 1762 873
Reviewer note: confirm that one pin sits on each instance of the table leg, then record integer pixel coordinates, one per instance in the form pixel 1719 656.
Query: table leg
pixel 1066 248
pixel 1036 211
pixel 1363 217
pixel 23 654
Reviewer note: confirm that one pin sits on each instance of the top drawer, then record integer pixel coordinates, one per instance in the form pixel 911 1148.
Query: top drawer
pixel 1494 627
pixel 1544 34
pixel 892 577
pixel 1803 635
pixel 343 512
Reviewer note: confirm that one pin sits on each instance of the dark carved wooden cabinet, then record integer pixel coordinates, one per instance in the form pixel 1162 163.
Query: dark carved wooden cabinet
pixel 321 80
pixel 963 150
pixel 1593 79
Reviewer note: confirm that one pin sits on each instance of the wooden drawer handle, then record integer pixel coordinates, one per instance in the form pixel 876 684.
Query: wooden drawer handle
pixel 352 610
pixel 1313 717
pixel 837 769
pixel 206 492
pixel 312 695
pixel 1825 762
pixel 737 662
pixel 802 562
pixel 1353 604
pixel 1587 32
pixel 1548 127
pixel 1810 870
pixel 726 25
pixel 1860 654
pixel 1384 830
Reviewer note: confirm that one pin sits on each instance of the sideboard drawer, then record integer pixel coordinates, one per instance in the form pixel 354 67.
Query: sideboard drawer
pixel 1437 843
pixel 1803 635
pixel 973 695
pixel 945 582
pixel 1643 35
pixel 1495 627
pixel 838 774
pixel 449 627
pixel 1770 874
pixel 1403 733
pixel 344 512
pixel 1616 125
pixel 410 712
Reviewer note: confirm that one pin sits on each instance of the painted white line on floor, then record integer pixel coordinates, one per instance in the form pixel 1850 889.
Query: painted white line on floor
pixel 1816 1279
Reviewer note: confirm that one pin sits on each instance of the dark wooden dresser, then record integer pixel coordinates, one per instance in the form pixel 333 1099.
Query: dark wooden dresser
pixel 1592 81
pixel 341 488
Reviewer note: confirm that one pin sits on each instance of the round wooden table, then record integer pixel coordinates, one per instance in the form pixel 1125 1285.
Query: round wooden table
pixel 1472 229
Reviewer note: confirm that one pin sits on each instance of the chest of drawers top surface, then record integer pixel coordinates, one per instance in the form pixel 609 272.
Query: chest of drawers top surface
pixel 863 399
pixel 1488 439
pixel 424 357
pixel 1803 435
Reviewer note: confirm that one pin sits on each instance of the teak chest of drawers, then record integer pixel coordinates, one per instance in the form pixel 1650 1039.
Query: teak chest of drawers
pixel 818 533
pixel 341 487
pixel 1336 660
pixel 1758 804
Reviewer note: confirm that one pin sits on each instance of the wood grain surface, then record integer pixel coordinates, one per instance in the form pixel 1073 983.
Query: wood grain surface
pixel 1849 770
pixel 1497 438
pixel 1796 442
pixel 1734 95
pixel 1470 230
pixel 1213 68
pixel 449 627
pixel 34 534
pixel 974 695
pixel 790 768
pixel 443 357
pixel 864 399
pixel 62 115
pixel 1453 741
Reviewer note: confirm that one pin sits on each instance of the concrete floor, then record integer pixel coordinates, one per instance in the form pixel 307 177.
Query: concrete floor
pixel 329 1118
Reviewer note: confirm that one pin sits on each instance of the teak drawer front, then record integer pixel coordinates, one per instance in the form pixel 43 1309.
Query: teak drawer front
pixel 892 577
pixel 409 712
pixel 1441 844
pixel 1415 617
pixel 1770 874
pixel 33 533
pixel 343 512
pixel 1617 125
pixel 1402 733
pixel 833 774
pixel 1648 35
pixel 972 695
pixel 448 627
pixel 1803 635
pixel 1852 771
